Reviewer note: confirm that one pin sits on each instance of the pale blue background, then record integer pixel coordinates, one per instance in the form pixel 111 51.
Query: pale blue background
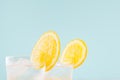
pixel 95 21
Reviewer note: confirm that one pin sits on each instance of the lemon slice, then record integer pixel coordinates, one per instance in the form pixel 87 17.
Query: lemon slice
pixel 46 51
pixel 75 53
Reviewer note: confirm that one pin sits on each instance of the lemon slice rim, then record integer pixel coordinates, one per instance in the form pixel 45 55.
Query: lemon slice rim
pixel 71 43
pixel 57 39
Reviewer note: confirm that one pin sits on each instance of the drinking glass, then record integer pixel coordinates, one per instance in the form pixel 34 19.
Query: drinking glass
pixel 21 68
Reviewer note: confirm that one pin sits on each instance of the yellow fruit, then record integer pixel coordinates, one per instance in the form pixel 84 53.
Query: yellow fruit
pixel 46 51
pixel 75 53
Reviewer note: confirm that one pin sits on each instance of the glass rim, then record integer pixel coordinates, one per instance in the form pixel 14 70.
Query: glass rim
pixel 10 61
